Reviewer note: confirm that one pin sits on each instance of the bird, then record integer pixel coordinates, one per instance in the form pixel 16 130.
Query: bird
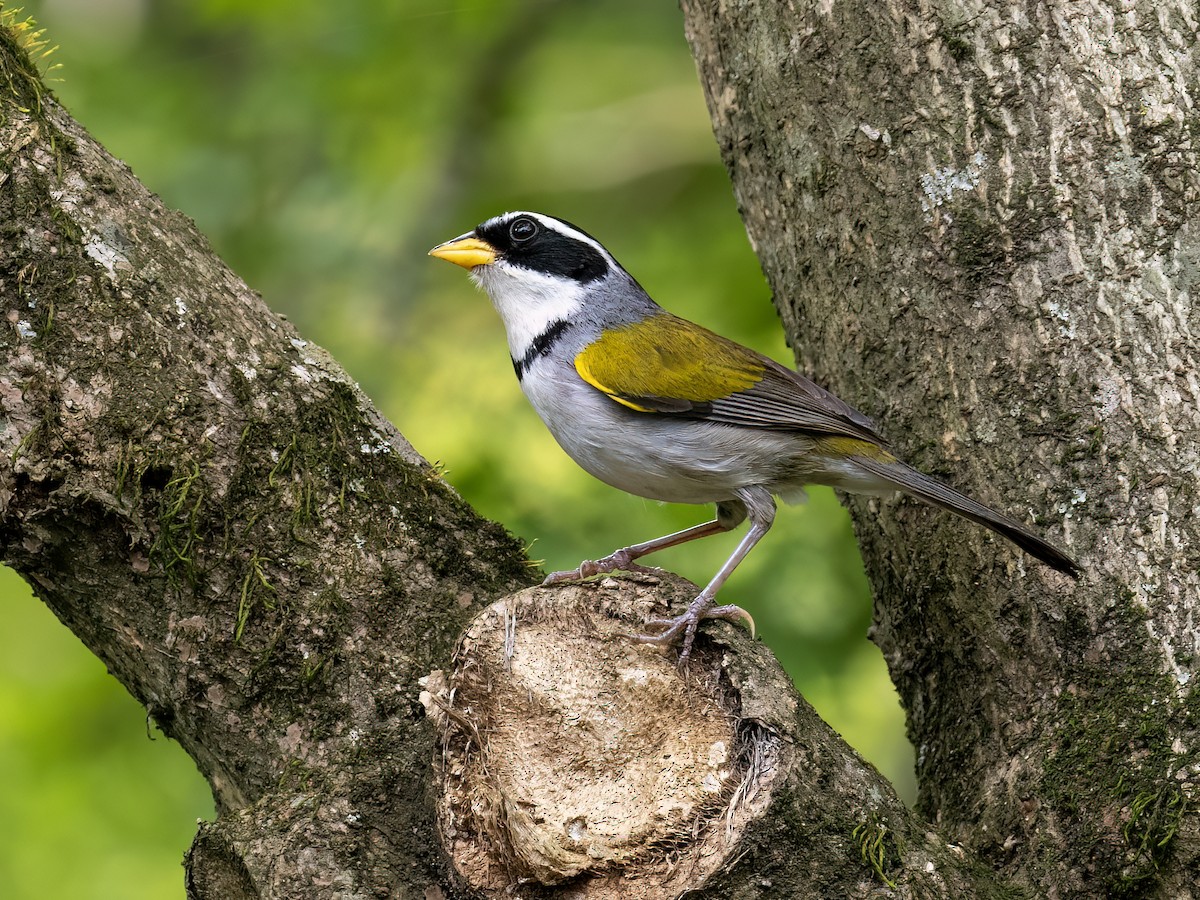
pixel 663 408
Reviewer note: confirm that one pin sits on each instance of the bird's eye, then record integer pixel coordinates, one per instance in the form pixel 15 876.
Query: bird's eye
pixel 522 229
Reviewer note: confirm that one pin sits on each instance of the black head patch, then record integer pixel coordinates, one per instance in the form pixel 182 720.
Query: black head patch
pixel 524 241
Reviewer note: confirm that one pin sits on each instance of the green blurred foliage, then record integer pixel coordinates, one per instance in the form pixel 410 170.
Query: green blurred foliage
pixel 323 148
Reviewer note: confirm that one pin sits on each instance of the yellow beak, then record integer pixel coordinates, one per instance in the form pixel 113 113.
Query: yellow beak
pixel 466 251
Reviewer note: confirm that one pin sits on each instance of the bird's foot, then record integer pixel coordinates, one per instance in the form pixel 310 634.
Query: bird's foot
pixel 621 561
pixel 682 629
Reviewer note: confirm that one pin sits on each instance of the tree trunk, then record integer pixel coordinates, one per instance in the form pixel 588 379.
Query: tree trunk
pixel 976 222
pixel 214 508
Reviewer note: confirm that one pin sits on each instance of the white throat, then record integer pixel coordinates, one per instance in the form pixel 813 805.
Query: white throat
pixel 528 302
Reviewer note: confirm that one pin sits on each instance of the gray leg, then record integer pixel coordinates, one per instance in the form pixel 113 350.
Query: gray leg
pixel 760 506
pixel 729 515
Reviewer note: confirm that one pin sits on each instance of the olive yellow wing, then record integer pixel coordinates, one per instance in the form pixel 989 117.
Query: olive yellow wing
pixel 669 366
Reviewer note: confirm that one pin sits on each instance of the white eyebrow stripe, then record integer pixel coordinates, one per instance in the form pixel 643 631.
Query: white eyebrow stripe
pixel 563 228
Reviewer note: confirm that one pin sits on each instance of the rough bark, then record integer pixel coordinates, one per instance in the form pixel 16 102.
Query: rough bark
pixel 976 222
pixel 216 510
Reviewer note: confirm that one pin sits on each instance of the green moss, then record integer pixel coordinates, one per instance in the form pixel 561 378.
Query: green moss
pixel 315 667
pixel 283 465
pixel 174 548
pixel 122 469
pixel 1154 819
pixel 67 228
pixel 21 43
pixel 879 847
pixel 1110 775
pixel 957 46
pixel 332 465
pixel 297 777
pixel 315 458
pixel 30 442
pixel 25 67
pixel 255 591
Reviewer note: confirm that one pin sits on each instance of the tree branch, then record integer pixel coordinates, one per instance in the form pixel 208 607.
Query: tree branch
pixel 215 509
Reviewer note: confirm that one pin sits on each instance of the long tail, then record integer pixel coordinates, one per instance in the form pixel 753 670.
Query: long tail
pixel 910 481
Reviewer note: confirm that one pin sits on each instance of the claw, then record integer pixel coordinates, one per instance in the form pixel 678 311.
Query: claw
pixel 682 629
pixel 620 561
pixel 564 577
pixel 731 613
